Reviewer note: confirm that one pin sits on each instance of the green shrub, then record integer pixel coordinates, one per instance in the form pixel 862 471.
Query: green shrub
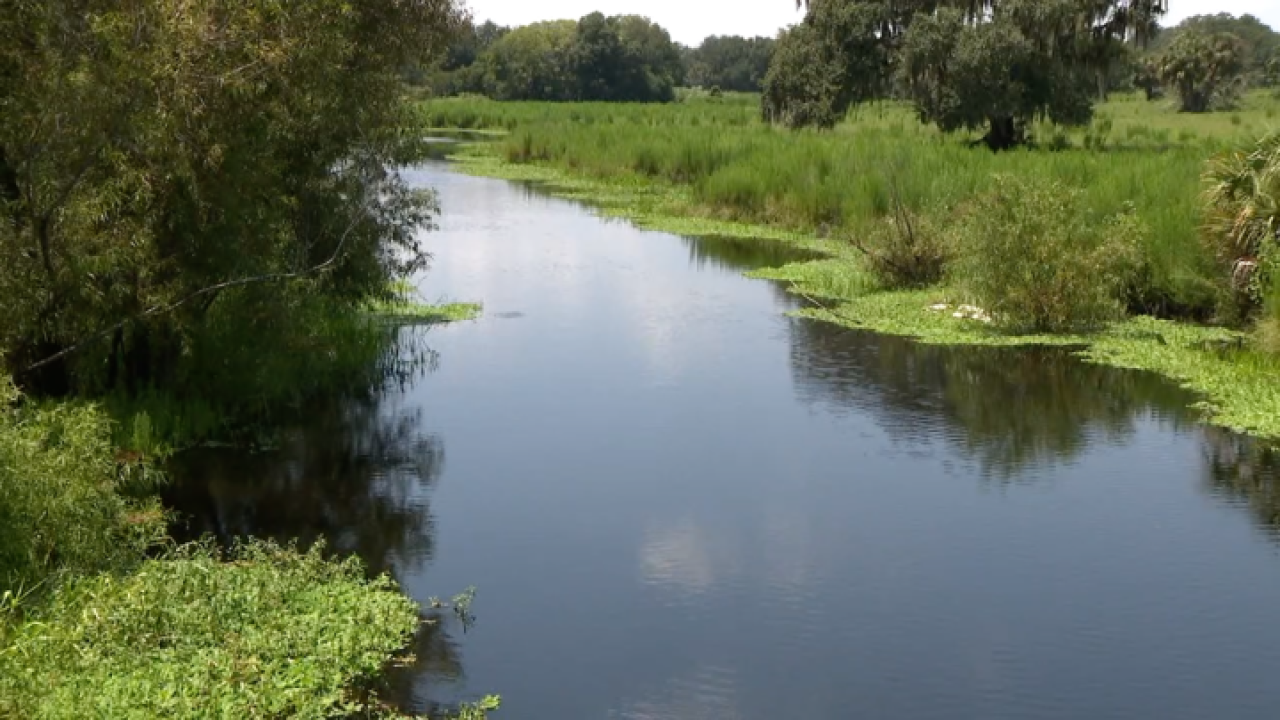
pixel 1242 219
pixel 59 507
pixel 271 634
pixel 1034 258
pixel 906 249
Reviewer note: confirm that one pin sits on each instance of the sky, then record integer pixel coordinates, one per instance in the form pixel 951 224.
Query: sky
pixel 689 21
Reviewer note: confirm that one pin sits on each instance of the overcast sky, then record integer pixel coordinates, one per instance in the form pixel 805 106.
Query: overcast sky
pixel 689 21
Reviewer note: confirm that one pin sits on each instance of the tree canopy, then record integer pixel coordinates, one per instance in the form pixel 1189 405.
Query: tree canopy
pixel 620 58
pixel 730 62
pixel 1205 68
pixel 996 64
pixel 158 156
pixel 1259 42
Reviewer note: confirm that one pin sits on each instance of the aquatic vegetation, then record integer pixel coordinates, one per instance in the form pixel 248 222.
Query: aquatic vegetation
pixel 401 306
pixel 61 509
pixel 273 633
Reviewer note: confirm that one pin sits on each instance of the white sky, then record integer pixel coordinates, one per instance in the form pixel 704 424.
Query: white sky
pixel 689 21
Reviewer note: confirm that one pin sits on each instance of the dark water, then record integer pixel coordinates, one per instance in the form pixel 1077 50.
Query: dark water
pixel 678 503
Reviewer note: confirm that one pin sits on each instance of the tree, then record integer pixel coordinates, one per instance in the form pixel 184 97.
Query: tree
pixel 1260 41
pixel 997 75
pixel 158 156
pixel 836 57
pixel 1205 69
pixel 649 46
pixel 730 63
pixel 960 58
pixel 623 58
pixel 532 63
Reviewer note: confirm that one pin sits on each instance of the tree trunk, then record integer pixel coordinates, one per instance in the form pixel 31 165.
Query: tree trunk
pixel 1004 133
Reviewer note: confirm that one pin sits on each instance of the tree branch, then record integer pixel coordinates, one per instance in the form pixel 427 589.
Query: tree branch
pixel 218 288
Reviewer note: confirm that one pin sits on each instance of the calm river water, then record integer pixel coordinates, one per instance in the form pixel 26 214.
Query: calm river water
pixel 677 502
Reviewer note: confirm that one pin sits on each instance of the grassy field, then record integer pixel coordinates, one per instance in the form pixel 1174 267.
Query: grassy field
pixel 709 166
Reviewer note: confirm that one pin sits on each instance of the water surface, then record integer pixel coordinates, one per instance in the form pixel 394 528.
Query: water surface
pixel 677 502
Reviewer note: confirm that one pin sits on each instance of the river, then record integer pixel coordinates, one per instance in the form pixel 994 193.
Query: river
pixel 678 502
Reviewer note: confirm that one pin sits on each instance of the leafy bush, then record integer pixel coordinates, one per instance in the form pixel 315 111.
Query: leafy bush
pixel 1033 257
pixel 59 509
pixel 1242 219
pixel 906 249
pixel 1268 335
pixel 272 634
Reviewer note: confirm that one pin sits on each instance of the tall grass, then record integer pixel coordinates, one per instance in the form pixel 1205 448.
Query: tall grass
pixel 734 167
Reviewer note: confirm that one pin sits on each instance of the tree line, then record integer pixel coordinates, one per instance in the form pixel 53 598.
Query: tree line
pixel 620 58
pixel 998 65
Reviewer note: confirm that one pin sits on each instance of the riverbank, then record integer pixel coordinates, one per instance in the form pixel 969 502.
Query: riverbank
pixel 101 612
pixel 1240 387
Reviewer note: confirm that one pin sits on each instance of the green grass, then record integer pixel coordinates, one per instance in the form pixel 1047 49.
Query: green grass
pixel 63 511
pixel 403 307
pixel 709 167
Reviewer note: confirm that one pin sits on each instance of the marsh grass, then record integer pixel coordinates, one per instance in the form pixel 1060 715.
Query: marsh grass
pixel 402 305
pixel 716 161
pixel 253 365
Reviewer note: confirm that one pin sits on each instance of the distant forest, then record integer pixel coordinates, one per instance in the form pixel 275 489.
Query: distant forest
pixel 620 58
pixel 630 58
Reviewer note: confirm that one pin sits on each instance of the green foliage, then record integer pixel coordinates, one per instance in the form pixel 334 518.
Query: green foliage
pixel 1205 69
pixel 1242 219
pixel 597 58
pixel 834 58
pixel 907 249
pixel 1000 74
pixel 270 634
pixel 1033 258
pixel 252 363
pixel 996 62
pixel 403 307
pixel 730 62
pixel 1261 42
pixel 60 509
pixel 154 154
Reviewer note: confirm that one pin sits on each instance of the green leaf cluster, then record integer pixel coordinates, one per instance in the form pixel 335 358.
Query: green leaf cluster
pixel 620 58
pixel 273 633
pixel 157 157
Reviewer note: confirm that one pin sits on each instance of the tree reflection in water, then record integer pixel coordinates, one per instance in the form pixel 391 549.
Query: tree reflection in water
pixel 356 472
pixel 1009 409
pixel 1245 471
pixel 1012 410
pixel 356 475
